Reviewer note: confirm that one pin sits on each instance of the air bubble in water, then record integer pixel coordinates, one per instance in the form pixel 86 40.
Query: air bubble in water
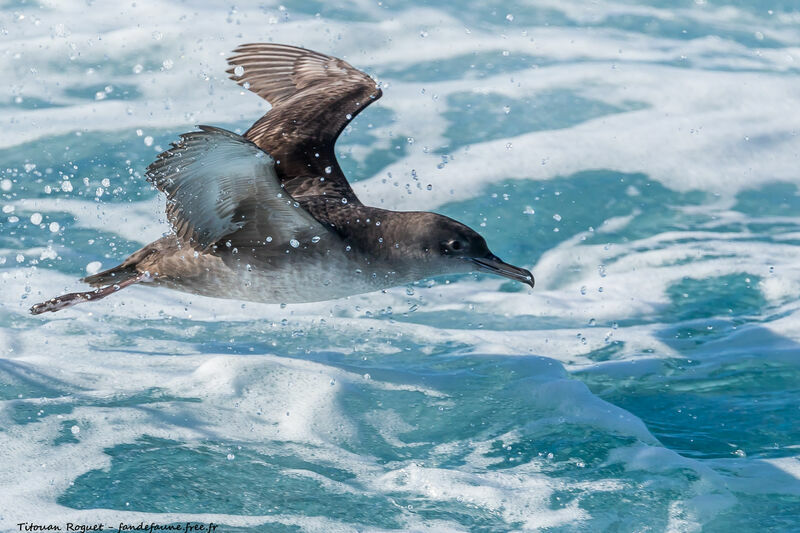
pixel 294 243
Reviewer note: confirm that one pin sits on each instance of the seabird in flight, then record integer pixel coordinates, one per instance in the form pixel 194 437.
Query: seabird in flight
pixel 269 216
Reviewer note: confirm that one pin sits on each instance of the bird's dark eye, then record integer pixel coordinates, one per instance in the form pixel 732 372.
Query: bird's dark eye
pixel 453 247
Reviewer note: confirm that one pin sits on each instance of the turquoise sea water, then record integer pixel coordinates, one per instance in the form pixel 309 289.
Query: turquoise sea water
pixel 641 158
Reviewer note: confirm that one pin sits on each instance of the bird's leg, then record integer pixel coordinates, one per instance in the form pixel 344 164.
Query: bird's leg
pixel 68 300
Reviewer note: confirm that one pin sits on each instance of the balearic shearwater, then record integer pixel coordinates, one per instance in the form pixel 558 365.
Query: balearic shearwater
pixel 270 217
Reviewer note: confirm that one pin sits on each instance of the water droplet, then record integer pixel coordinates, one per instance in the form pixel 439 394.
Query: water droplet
pixel 36 218
pixel 509 17
pixel 583 290
pixel 410 291
pixel 328 170
pixel 231 457
pixel 315 239
pixel 137 69
pixel 148 141
pixel 557 217
pixel 75 430
pixel 54 227
pixel 93 267
pixel 344 200
pixel 239 70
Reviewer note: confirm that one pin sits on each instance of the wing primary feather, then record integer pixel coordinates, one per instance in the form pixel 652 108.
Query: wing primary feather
pixel 313 97
pixel 220 186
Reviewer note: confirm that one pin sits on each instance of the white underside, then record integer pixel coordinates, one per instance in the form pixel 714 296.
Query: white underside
pixel 302 280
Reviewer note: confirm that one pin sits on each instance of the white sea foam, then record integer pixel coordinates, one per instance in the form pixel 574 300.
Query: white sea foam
pixel 710 114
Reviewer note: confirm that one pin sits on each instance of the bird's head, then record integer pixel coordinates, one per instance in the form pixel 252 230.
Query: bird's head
pixel 448 246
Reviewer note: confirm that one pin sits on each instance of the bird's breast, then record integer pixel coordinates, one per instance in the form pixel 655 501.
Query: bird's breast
pixel 292 276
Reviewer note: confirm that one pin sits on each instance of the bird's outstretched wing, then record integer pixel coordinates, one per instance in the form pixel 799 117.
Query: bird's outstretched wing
pixel 221 187
pixel 313 98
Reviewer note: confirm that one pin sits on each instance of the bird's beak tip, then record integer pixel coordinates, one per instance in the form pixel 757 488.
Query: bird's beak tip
pixel 495 265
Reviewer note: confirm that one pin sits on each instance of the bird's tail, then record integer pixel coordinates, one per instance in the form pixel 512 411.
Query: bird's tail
pixel 106 282
pixel 114 279
pixel 117 274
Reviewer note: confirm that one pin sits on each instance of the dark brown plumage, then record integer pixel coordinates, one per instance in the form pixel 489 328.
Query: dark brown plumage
pixel 270 217
pixel 313 98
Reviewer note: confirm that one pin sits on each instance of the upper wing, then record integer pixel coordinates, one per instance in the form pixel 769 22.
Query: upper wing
pixel 221 186
pixel 313 97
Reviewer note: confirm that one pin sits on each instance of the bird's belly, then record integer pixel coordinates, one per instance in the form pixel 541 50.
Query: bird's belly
pixel 288 280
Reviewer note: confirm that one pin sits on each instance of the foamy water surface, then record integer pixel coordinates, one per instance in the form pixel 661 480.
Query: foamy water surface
pixel 639 157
